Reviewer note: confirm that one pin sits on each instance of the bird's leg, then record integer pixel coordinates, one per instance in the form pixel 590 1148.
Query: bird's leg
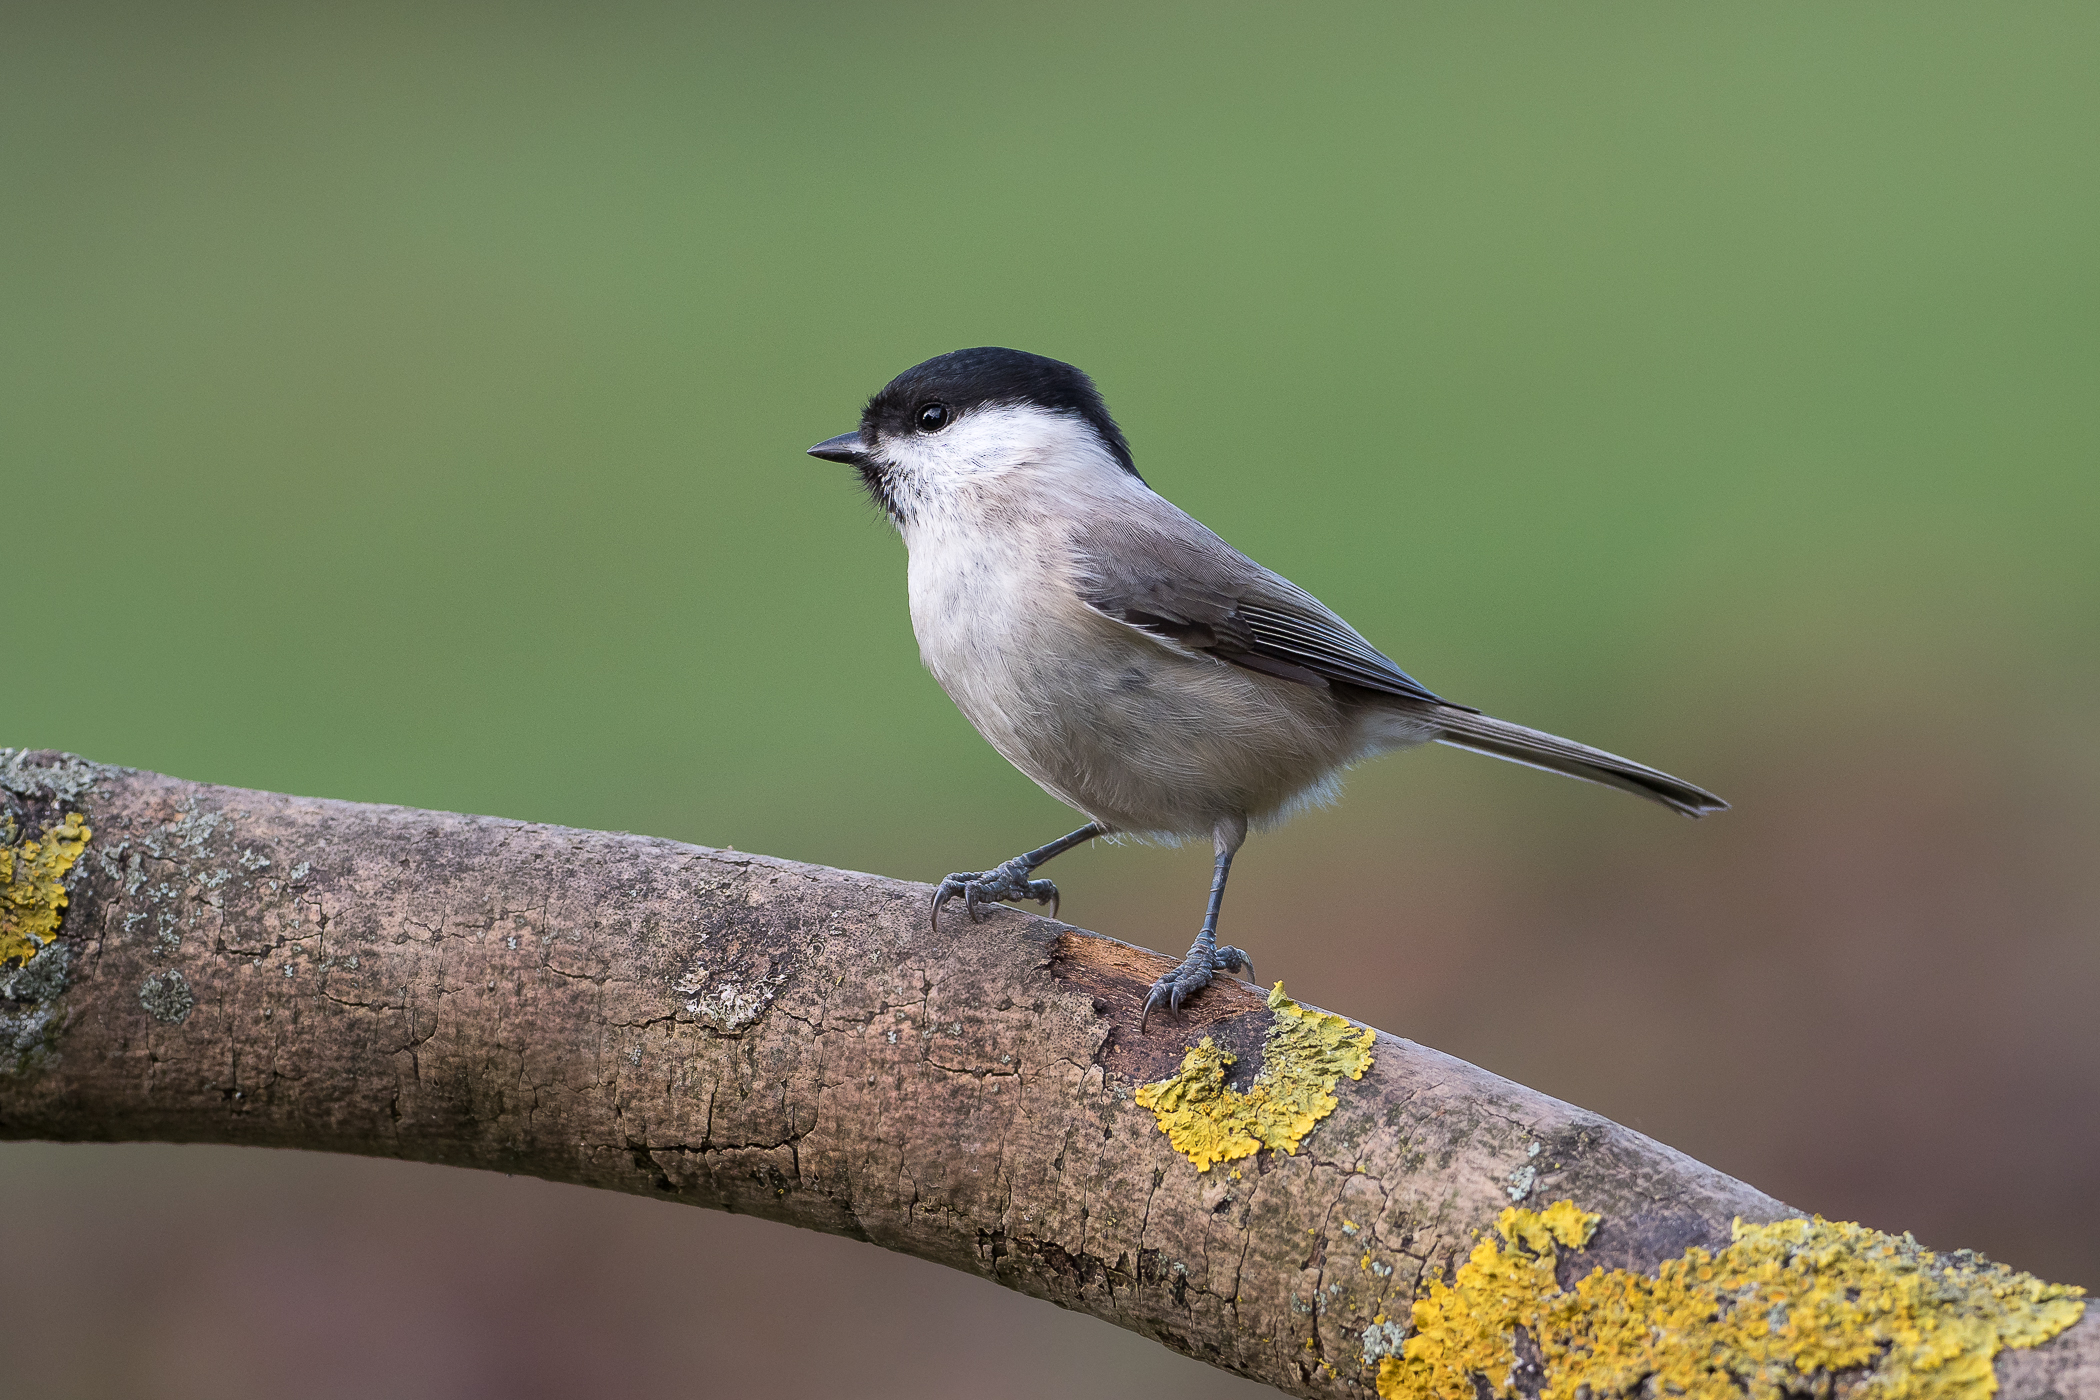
pixel 1010 880
pixel 1205 957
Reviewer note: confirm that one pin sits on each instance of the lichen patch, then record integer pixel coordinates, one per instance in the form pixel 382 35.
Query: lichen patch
pixel 730 1006
pixel 33 889
pixel 1792 1307
pixel 1303 1056
pixel 167 996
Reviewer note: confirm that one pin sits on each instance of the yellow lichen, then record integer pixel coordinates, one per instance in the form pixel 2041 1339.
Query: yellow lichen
pixel 1775 1313
pixel 32 887
pixel 1303 1056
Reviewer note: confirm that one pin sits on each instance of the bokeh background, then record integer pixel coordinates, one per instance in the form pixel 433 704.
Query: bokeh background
pixel 407 403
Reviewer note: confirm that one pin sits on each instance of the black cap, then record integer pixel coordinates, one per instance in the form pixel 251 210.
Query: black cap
pixel 987 375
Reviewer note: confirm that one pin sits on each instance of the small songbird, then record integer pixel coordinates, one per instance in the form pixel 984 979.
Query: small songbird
pixel 1139 668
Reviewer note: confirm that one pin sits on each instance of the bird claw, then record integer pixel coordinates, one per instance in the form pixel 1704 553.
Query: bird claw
pixel 1191 976
pixel 1005 882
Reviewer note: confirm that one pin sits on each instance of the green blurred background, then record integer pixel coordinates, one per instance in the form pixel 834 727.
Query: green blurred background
pixel 407 403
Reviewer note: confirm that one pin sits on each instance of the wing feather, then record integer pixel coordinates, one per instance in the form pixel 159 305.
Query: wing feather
pixel 1160 572
pixel 1180 584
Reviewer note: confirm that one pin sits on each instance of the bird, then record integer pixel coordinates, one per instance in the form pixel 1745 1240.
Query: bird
pixel 1136 666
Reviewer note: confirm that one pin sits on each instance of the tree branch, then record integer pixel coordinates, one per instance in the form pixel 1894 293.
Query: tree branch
pixel 793 1042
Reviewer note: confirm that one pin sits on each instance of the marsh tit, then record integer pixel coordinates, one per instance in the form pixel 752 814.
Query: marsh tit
pixel 1139 668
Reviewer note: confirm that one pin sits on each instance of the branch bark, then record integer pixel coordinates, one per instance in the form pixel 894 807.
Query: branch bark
pixel 791 1042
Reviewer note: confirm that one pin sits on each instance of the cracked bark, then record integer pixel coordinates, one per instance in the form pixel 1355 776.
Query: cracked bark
pixel 787 1041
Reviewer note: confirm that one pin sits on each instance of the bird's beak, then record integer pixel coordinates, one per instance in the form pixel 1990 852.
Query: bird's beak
pixel 843 448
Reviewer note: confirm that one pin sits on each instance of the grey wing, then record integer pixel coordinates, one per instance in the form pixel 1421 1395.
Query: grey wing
pixel 1176 581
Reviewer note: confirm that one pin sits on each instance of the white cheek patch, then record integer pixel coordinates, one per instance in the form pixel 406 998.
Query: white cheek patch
pixel 992 441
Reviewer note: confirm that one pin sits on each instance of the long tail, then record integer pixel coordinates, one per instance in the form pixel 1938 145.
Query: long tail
pixel 1462 729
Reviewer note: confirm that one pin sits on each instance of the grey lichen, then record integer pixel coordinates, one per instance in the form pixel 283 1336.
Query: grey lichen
pixel 42 978
pixel 167 996
pixel 1524 1177
pixel 26 1037
pixel 29 1013
pixel 64 778
pixel 1382 1339
pixel 180 876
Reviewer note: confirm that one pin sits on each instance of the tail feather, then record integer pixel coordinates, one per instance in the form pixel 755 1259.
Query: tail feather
pixel 1535 749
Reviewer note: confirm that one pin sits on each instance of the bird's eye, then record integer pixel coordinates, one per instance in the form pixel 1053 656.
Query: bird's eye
pixel 933 417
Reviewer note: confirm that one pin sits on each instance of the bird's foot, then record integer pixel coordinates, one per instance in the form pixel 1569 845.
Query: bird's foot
pixel 1006 882
pixel 1192 976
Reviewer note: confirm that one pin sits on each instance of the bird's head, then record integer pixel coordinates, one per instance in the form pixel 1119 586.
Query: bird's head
pixel 976 413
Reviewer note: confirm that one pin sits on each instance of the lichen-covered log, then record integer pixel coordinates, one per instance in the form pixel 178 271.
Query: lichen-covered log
pixel 1260 1185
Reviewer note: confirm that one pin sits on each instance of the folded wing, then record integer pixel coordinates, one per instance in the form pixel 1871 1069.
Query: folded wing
pixel 1177 582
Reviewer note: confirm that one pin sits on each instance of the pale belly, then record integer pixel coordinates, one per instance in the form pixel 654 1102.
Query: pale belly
pixel 1141 738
